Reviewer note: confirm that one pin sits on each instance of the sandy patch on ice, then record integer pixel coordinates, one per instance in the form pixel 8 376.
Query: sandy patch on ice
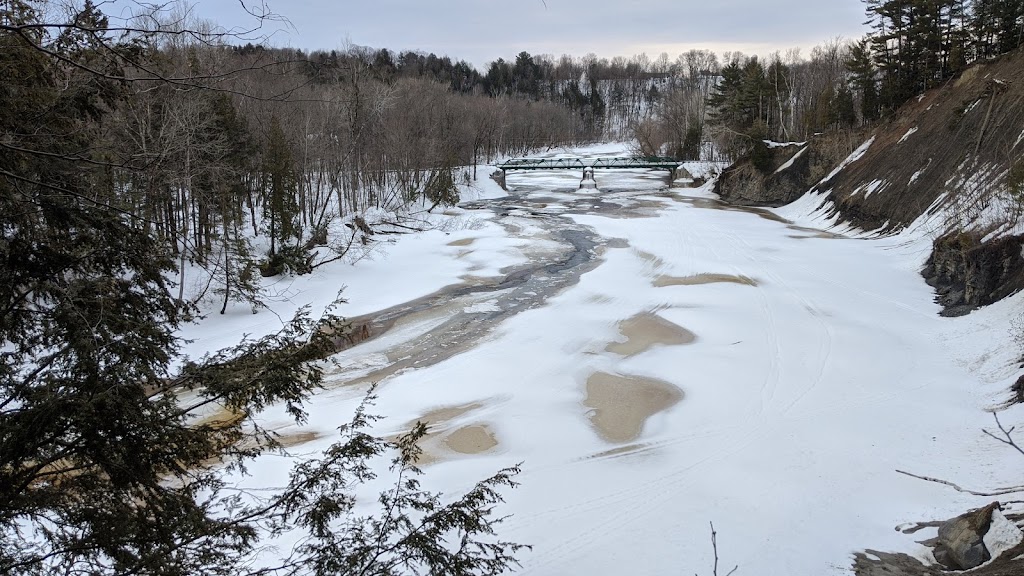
pixel 646 330
pixel 462 242
pixel 293 438
pixel 620 405
pixel 437 418
pixel 475 439
pixel 440 441
pixel 698 279
pixel 650 258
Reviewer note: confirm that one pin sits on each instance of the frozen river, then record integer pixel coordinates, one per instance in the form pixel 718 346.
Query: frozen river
pixel 658 360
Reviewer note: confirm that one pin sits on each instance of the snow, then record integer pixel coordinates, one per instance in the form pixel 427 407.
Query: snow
pixel 772 144
pixel 907 135
pixel 1002 535
pixel 806 386
pixel 789 163
pixel 704 170
pixel 1019 140
pixel 870 188
pixel 853 157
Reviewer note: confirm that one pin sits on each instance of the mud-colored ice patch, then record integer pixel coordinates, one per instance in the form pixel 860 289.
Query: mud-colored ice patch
pixel 293 438
pixel 620 405
pixel 712 204
pixel 440 442
pixel 655 262
pixel 441 416
pixel 646 330
pixel 812 233
pixel 698 279
pixel 462 242
pixel 619 451
pixel 475 439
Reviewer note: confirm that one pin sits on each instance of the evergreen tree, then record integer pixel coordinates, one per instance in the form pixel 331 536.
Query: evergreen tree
pixel 917 44
pixel 726 100
pixel 227 165
pixel 279 180
pixel 844 112
pixel 104 465
pixel 862 71
pixel 1010 24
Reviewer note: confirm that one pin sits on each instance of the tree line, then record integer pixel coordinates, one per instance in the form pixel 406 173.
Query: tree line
pixel 913 45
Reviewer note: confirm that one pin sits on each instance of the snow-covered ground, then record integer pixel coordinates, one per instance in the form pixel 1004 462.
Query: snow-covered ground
pixel 709 365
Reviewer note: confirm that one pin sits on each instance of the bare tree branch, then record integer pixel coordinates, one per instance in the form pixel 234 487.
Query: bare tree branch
pixel 997 492
pixel 1008 440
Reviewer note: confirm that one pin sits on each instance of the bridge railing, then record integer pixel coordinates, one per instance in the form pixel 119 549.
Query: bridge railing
pixel 596 163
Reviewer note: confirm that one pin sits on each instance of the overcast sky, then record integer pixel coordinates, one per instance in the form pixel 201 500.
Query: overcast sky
pixel 481 31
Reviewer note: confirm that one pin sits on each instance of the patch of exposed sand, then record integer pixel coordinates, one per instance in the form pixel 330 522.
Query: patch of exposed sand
pixel 292 439
pixel 441 441
pixel 655 261
pixel 698 279
pixel 475 439
pixel 622 404
pixel 440 416
pixel 462 242
pixel 646 330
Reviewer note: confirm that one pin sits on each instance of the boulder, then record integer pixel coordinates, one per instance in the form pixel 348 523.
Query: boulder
pixel 961 540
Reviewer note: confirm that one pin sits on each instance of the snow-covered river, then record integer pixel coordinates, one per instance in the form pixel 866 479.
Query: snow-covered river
pixel 659 361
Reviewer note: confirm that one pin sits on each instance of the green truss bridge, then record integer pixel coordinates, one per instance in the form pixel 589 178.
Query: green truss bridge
pixel 585 164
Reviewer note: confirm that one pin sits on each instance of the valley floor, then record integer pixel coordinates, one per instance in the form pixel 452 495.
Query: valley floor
pixel 663 361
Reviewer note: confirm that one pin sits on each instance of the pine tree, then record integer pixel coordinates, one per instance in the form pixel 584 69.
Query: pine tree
pixel 862 74
pixel 279 187
pixel 917 44
pixel 726 100
pixel 1010 24
pixel 227 165
pixel 844 112
pixel 104 465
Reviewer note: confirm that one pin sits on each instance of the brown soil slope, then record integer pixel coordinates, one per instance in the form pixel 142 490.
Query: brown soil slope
pixel 956 142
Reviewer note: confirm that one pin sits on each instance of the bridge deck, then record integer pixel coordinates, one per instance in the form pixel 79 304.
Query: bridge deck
pixel 596 163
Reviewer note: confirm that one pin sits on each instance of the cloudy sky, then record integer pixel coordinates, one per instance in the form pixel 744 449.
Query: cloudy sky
pixel 481 31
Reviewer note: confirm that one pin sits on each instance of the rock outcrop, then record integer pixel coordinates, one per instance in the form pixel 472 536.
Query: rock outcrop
pixel 794 169
pixel 961 540
pixel 967 273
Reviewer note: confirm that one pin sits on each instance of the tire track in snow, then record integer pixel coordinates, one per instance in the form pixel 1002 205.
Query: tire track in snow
pixel 825 341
